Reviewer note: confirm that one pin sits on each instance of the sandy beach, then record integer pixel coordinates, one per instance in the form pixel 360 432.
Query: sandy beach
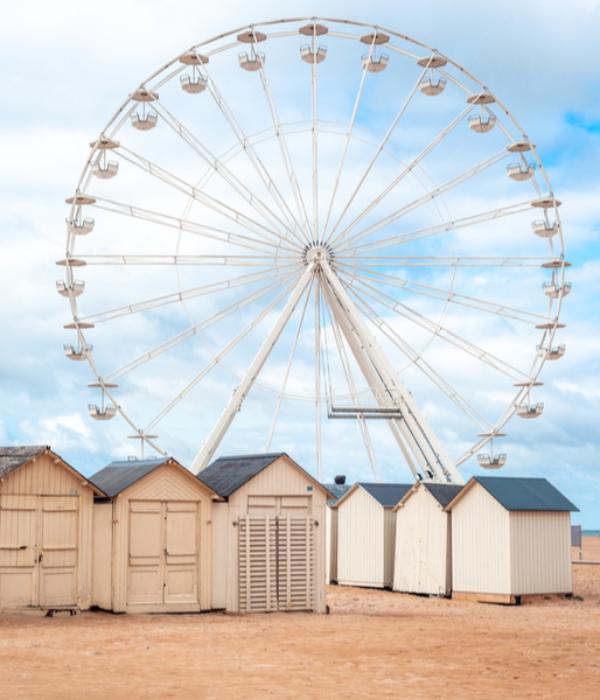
pixel 373 644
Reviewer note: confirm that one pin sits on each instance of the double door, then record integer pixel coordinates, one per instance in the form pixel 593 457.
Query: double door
pixel 163 557
pixel 39 550
pixel 276 551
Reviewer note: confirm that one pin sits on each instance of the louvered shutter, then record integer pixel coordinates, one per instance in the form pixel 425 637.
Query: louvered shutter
pixel 257 563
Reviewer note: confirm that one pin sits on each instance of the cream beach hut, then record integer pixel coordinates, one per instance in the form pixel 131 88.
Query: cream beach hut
pixel 152 538
pixel 511 537
pixel 423 559
pixel 268 536
pixel 46 511
pixel 366 534
pixel 338 489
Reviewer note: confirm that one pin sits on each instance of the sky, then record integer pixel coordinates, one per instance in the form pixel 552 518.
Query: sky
pixel 68 67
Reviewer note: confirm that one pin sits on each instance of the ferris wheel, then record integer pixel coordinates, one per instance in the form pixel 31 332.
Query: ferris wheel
pixel 327 215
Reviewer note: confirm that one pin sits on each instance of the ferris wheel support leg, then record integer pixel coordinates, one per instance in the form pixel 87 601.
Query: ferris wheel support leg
pixel 213 441
pixel 412 429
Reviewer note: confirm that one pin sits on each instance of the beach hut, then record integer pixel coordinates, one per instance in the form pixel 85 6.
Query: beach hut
pixel 338 488
pixel 45 531
pixel 511 537
pixel 423 559
pixel 152 538
pixel 366 534
pixel 268 535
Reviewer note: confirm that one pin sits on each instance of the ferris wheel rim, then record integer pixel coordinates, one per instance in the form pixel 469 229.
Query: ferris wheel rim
pixel 548 334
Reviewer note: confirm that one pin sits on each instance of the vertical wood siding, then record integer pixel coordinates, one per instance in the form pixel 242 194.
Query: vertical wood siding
pixel 389 546
pixel 480 544
pixel 220 532
pixel 422 562
pixel 331 545
pixel 361 553
pixel 102 555
pixel 540 554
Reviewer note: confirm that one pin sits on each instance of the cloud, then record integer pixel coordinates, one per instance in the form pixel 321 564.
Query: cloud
pixel 85 75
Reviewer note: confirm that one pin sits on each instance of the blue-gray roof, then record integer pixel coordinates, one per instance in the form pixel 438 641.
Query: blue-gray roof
pixel 386 494
pixel 227 474
pixel 338 490
pixel 520 493
pixel 443 493
pixel 117 476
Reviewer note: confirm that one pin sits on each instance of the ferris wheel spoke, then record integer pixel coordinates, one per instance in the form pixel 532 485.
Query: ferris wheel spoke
pixel 445 261
pixel 133 259
pixel 415 358
pixel 285 154
pixel 406 171
pixel 214 361
pixel 317 330
pixel 315 157
pixel 348 138
pixel 436 328
pixel 344 360
pixel 424 199
pixel 451 296
pixel 436 229
pixel 254 158
pixel 288 368
pixel 194 329
pixel 185 224
pixel 379 150
pixel 224 172
pixel 186 188
pixel 184 295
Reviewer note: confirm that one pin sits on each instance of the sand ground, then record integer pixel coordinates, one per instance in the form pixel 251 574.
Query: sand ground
pixel 374 644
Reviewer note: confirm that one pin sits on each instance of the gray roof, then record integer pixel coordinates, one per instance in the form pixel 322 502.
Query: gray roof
pixel 443 493
pixel 227 474
pixel 338 490
pixel 12 458
pixel 117 476
pixel 519 493
pixel 386 494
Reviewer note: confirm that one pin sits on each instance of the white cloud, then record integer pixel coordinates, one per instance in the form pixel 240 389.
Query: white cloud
pixel 92 62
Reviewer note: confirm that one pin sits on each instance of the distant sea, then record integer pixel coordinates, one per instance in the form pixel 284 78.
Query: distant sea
pixel 592 533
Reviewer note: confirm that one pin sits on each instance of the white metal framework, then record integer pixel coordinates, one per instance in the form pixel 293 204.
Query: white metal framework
pixel 225 212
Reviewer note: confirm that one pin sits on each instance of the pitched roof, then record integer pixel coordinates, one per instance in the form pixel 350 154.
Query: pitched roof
pixel 443 493
pixel 227 474
pixel 12 458
pixel 337 490
pixel 386 494
pixel 521 493
pixel 117 476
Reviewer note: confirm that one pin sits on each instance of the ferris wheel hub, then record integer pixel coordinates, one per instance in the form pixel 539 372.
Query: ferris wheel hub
pixel 317 253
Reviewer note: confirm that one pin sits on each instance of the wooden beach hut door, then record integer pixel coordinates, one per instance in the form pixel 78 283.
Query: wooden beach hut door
pixel 38 551
pixel 276 563
pixel 163 553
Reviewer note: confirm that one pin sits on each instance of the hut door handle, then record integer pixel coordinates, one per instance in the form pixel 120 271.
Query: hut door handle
pixel 40 558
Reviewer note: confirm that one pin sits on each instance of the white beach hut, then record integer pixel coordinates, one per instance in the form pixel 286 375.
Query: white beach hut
pixel 152 539
pixel 423 559
pixel 366 534
pixel 338 489
pixel 511 537
pixel 45 531
pixel 268 535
